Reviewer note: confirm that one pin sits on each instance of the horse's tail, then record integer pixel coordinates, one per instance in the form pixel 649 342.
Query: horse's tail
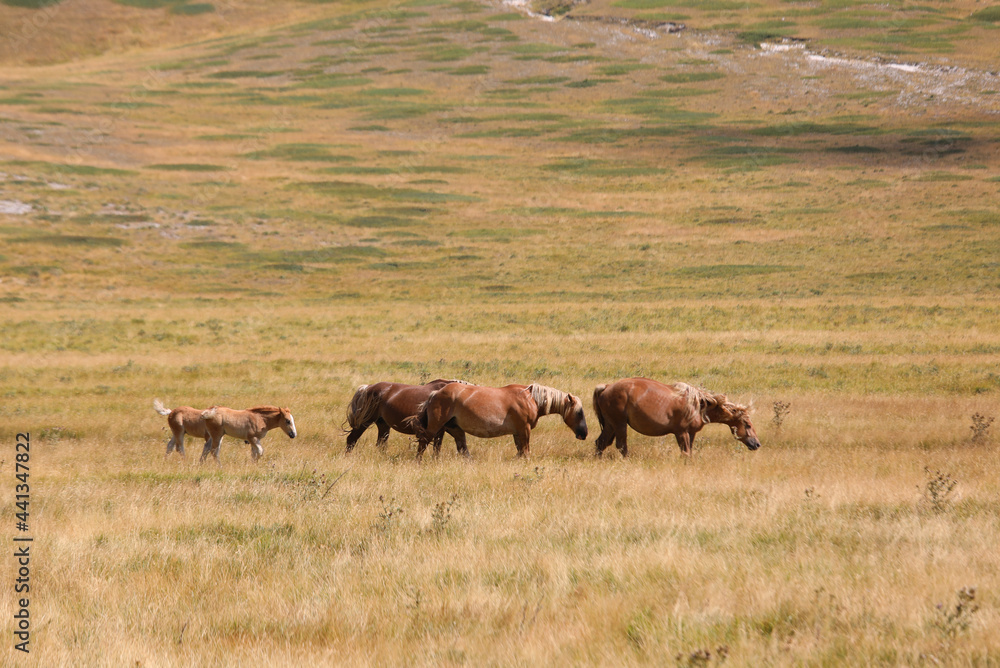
pixel 158 407
pixel 363 408
pixel 208 414
pixel 598 391
pixel 418 422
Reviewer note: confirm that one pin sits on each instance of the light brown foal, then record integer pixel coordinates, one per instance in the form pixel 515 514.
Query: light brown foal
pixel 250 425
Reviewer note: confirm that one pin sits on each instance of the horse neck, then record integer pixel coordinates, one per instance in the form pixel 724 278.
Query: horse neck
pixel 722 414
pixel 269 414
pixel 548 399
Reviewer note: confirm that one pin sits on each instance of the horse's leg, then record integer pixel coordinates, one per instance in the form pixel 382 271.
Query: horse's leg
pixel 216 445
pixel 355 435
pixel 684 440
pixel 459 437
pixel 437 418
pixel 207 449
pixel 604 439
pixel 522 440
pixel 621 438
pixel 170 446
pixel 256 450
pixel 383 432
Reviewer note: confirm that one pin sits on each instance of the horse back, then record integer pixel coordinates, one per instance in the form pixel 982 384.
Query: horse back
pixel 188 420
pixel 471 403
pixel 653 408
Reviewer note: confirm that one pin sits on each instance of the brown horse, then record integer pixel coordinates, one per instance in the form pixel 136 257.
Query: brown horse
pixel 488 412
pixel 250 426
pixel 389 406
pixel 182 420
pixel 655 409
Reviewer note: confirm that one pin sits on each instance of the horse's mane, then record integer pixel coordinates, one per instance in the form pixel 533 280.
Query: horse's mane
pixel 447 380
pixel 547 398
pixel 699 401
pixel 266 411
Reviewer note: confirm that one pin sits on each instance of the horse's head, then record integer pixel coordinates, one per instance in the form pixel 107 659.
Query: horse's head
pixel 717 408
pixel 742 427
pixel 572 415
pixel 287 422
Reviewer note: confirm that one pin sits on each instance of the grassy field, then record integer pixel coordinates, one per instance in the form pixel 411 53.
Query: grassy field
pixel 246 202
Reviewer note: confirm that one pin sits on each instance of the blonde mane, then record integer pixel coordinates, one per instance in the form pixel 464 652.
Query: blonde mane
pixel 699 401
pixel 547 398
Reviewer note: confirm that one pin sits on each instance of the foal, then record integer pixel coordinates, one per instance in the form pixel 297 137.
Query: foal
pixel 250 425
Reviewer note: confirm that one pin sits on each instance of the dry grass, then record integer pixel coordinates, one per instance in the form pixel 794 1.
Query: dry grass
pixel 284 210
pixel 822 554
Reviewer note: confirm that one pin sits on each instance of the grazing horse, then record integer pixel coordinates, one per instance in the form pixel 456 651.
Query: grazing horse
pixel 389 406
pixel 250 425
pixel 181 420
pixel 655 409
pixel 488 412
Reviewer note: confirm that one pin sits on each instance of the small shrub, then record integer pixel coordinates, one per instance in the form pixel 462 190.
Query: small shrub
pixel 937 489
pixel 781 409
pixel 980 427
pixel 441 514
pixel 390 513
pixel 702 657
pixel 953 620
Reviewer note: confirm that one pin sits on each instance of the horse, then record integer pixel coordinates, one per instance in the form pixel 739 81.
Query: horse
pixel 250 426
pixel 655 409
pixel 388 406
pixel 488 412
pixel 181 420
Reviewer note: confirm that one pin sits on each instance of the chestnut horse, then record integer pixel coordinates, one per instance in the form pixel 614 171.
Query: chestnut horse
pixel 389 406
pixel 655 409
pixel 250 426
pixel 488 412
pixel 181 420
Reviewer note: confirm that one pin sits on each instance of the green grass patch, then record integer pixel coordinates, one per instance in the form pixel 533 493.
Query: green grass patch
pixel 856 149
pixel 691 77
pixel 747 158
pixel 346 189
pixel 532 49
pixel 186 167
pixel 245 74
pixel 214 245
pixel 808 127
pixel 72 240
pixel 734 270
pixel 83 170
pixel 618 69
pixel 469 70
pixel 334 80
pixel 989 14
pixel 31 4
pixel 379 221
pixel 193 9
pixel 394 92
pixel 930 177
pixel 300 152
